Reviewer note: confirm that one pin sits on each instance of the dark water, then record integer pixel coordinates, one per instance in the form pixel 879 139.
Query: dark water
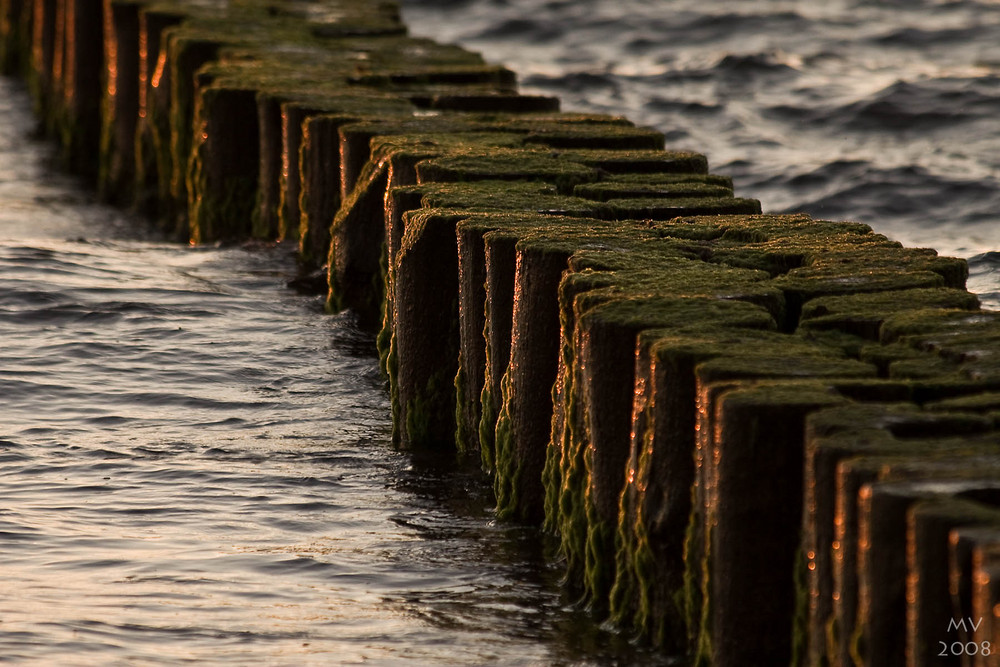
pixel 885 112
pixel 195 467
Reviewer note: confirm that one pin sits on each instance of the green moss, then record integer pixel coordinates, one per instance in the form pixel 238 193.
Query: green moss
pixel 383 340
pixel 778 364
pixel 640 161
pixel 424 409
pixel 772 227
pixel 936 322
pixel 676 189
pixel 890 302
pixel 453 138
pixel 392 373
pixel 212 211
pixel 187 53
pixel 458 73
pixel 507 165
pixel 475 133
pixel 800 620
pixel 350 223
pixel 464 441
pixel 863 314
pixel 654 179
pixel 697 596
pixel 669 208
pixel 628 602
pixel 640 574
pixel 506 481
pixel 222 172
pixel 896 428
pixel 531 121
pixel 527 196
pixel 985 402
pixel 577 136
pixel 953 271
pixel 696 314
pixel 599 560
pixel 487 428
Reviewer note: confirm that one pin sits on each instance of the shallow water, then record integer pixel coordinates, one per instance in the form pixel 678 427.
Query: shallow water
pixel 195 467
pixel 879 112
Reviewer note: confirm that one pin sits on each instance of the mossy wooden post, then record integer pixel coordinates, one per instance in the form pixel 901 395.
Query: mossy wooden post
pixel 715 378
pixel 881 626
pixel 964 545
pixel 152 156
pixel 892 597
pixel 606 355
pixel 82 86
pixel 527 387
pixel 846 449
pixel 604 345
pixel 400 172
pixel 266 214
pixel 930 612
pixel 398 201
pixel 824 538
pixel 565 474
pixel 656 502
pixel 185 55
pixel 472 332
pixel 116 178
pixel 475 332
pixel 986 596
pixel 310 172
pixel 853 478
pixel 293 115
pixel 43 29
pixel 322 184
pixel 500 269
pixel 224 165
pixel 357 238
pixel 13 47
pixel 426 324
pixel 55 107
pixel 758 455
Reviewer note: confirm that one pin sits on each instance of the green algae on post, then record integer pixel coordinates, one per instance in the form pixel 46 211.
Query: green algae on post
pixel 655 504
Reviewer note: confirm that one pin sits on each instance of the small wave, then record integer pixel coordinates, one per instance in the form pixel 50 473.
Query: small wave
pixel 991 259
pixel 530 30
pixel 664 105
pixel 928 105
pixel 925 37
pixel 699 28
pixel 862 191
pixel 753 64
pixel 924 105
pixel 576 82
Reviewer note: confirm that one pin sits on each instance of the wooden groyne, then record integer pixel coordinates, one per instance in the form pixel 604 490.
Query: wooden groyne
pixel 756 439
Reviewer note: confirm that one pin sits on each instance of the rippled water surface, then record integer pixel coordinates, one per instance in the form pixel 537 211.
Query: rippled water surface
pixel 195 467
pixel 882 112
